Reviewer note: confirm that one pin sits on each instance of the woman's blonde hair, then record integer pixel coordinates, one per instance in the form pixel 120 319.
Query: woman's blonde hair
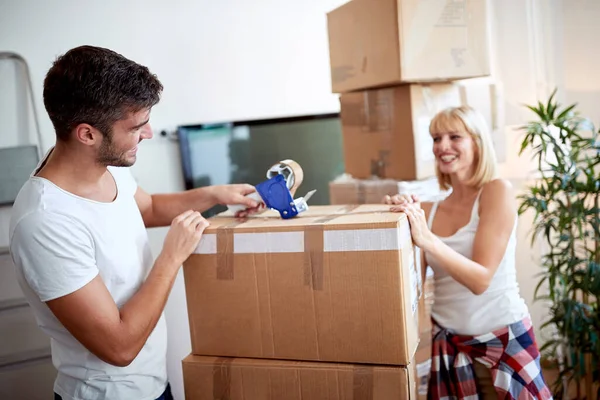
pixel 467 119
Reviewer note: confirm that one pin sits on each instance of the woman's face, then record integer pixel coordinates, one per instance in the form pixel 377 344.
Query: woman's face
pixel 455 153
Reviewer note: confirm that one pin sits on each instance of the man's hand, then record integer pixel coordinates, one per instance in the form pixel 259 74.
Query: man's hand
pixel 234 194
pixel 161 209
pixel 183 236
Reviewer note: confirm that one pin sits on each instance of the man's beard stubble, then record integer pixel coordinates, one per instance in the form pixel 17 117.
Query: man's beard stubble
pixel 108 155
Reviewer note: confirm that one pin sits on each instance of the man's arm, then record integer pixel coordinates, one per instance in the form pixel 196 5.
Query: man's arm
pixel 160 209
pixel 115 335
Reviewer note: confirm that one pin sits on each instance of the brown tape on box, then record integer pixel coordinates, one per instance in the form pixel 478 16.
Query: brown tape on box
pixel 225 250
pixel 313 257
pixel 362 383
pixel 313 249
pixel 222 378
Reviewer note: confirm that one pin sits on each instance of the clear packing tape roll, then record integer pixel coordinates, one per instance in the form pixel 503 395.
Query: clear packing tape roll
pixel 292 172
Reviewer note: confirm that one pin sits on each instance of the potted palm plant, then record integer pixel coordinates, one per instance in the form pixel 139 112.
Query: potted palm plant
pixel 565 200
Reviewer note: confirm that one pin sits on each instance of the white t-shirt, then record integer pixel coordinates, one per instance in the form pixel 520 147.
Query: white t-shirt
pixel 59 242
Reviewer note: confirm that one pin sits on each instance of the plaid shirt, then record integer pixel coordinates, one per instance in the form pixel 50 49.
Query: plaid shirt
pixel 511 353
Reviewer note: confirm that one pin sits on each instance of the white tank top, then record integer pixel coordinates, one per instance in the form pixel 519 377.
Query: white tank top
pixel 455 307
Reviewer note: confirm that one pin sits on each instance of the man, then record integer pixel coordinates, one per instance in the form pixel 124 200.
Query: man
pixel 78 232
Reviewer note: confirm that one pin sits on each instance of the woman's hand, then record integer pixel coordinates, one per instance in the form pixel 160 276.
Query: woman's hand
pixel 398 199
pixel 419 230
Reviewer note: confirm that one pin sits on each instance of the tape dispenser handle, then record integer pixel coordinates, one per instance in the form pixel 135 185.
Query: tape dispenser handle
pixel 293 174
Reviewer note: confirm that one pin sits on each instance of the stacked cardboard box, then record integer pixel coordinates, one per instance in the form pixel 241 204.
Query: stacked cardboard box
pixel 348 190
pixel 396 63
pixel 423 355
pixel 321 306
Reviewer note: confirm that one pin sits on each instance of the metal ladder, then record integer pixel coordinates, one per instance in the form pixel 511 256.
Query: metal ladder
pixel 24 348
pixel 16 162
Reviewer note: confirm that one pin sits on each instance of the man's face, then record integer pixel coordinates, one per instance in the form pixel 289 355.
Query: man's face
pixel 119 147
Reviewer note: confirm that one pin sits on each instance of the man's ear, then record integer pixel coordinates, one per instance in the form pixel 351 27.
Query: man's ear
pixel 87 134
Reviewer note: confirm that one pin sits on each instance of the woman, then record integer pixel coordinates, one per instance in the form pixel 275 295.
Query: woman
pixel 483 339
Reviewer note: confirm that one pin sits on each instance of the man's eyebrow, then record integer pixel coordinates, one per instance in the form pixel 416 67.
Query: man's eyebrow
pixel 140 125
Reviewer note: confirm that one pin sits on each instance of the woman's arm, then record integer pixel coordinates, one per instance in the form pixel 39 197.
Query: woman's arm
pixel 399 199
pixel 497 214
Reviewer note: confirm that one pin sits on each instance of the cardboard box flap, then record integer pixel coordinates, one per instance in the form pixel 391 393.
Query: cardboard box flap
pixel 362 228
pixel 357 216
pixel 241 378
pixel 227 362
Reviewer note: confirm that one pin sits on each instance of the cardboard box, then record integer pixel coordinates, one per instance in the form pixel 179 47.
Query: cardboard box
pixel 423 365
pixel 336 283
pixel 386 131
pixel 423 354
pixel 208 378
pixel 375 43
pixel 425 304
pixel 348 190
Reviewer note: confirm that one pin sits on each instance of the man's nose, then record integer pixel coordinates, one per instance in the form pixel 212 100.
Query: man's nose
pixel 146 132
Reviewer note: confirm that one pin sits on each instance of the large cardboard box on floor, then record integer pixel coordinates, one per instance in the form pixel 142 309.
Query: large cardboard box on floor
pixel 386 131
pixel 336 283
pixel 375 43
pixel 208 378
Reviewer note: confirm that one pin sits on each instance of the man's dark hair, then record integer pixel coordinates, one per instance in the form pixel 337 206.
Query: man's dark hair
pixel 96 86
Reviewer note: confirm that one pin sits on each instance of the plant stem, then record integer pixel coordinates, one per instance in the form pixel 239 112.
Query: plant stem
pixel 589 381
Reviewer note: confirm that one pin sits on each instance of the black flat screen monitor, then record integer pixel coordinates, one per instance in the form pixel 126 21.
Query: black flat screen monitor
pixel 243 151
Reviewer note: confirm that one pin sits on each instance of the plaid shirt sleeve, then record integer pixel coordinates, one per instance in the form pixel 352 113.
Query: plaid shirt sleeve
pixel 511 353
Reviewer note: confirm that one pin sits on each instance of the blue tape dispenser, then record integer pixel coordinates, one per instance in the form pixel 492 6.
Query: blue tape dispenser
pixel 277 192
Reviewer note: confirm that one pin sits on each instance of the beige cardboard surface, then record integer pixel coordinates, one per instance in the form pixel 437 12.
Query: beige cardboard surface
pixel 375 43
pixel 338 283
pixel 361 191
pixel 347 190
pixel 208 378
pixel 386 131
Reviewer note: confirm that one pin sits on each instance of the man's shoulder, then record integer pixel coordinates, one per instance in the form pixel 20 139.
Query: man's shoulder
pixel 39 220
pixel 39 206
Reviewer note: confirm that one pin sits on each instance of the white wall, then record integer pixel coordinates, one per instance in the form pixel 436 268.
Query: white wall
pixel 581 56
pixel 226 59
